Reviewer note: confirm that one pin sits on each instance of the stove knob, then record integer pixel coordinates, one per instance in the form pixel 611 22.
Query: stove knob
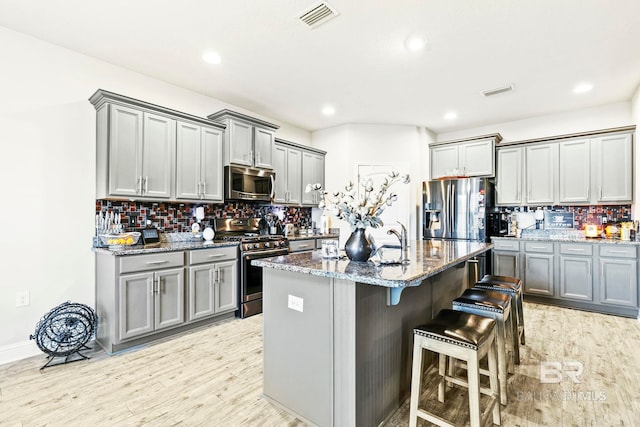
pixel 267 244
pixel 249 246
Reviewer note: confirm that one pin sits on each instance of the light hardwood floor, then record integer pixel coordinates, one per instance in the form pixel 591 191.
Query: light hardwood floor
pixel 213 377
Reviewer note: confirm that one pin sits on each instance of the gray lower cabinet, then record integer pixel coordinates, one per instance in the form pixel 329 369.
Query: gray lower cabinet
pixel 576 271
pixel 618 275
pixel 140 298
pixel 150 301
pixel 538 269
pixel 506 257
pixel 591 275
pixel 213 282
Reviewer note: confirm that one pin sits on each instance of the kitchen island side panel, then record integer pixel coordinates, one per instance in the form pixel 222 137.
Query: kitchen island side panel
pixel 298 350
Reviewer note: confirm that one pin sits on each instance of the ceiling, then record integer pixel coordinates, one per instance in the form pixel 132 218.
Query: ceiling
pixel 275 65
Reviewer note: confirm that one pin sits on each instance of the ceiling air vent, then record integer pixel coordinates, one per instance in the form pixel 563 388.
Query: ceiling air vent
pixel 496 91
pixel 318 14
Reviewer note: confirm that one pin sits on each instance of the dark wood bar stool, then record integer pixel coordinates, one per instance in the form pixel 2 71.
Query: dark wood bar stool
pixel 497 306
pixel 513 287
pixel 466 337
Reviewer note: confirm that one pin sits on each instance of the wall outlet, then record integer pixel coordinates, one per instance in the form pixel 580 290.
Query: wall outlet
pixel 295 303
pixel 22 298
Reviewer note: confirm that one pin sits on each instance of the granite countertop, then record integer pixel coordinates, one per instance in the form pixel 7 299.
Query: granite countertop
pixel 427 258
pixel 163 247
pixel 312 236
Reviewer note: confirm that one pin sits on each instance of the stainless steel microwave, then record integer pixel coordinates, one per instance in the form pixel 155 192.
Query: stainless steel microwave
pixel 243 183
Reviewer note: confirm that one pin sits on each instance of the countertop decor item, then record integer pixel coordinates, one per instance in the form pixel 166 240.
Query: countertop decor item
pixel 64 331
pixel 361 209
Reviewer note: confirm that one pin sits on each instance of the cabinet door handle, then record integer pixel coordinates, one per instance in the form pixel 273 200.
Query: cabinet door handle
pixel 217 275
pixel 204 190
pixel 157 262
pixel 139 185
pixel 156 285
pixel 146 182
pixel 258 155
pixel 600 193
pixel 251 156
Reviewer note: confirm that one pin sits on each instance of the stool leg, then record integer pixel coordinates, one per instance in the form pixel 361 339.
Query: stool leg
pixel 502 361
pixel 473 379
pixel 442 370
pixel 521 318
pixel 493 382
pixel 416 380
pixel 515 337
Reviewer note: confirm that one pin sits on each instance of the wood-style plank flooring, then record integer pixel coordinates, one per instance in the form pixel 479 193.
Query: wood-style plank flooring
pixel 213 377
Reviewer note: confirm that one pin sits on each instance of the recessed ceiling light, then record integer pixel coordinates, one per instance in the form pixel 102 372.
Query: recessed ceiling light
pixel 415 43
pixel 582 87
pixel 328 110
pixel 211 58
pixel 451 115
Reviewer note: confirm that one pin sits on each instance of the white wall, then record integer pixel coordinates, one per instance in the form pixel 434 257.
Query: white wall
pixel 603 117
pixel 635 119
pixel 353 144
pixel 47 173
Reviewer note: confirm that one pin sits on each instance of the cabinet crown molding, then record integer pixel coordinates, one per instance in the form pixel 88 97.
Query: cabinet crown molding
pixel 229 114
pixel 101 96
pixel 495 136
pixel 598 132
pixel 297 145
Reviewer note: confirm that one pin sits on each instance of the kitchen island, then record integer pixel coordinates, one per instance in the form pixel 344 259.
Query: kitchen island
pixel 338 334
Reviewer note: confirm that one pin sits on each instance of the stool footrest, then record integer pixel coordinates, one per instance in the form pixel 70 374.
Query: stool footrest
pixel 434 419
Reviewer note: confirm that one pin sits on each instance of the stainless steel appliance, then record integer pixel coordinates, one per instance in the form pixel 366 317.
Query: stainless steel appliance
pixel 253 245
pixel 457 209
pixel 243 183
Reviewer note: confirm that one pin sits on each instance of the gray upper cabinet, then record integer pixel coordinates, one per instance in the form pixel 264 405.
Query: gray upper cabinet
pixel 136 155
pixel 612 175
pixel 137 149
pixel 469 157
pixel 248 141
pixel 199 163
pixel 509 177
pixel 541 166
pixel 296 166
pixel 575 172
pixel 312 173
pixel 288 169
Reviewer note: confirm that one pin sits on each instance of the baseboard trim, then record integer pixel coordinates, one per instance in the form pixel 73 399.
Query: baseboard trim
pixel 18 351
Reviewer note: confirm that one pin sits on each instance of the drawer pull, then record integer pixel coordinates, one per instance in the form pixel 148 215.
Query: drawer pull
pixel 216 255
pixel 538 247
pixel 157 262
pixel 575 250
pixel 613 251
pixel 303 246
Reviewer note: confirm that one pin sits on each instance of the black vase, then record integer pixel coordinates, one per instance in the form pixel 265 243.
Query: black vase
pixel 358 247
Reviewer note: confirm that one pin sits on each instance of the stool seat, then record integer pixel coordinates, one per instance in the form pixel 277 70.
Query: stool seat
pixel 501 281
pixel 485 300
pixel 457 327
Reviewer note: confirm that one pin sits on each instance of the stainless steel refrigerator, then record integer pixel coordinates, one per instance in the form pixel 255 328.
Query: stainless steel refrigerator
pixel 456 209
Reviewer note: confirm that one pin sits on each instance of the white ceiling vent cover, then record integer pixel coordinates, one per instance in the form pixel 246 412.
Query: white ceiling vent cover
pixel 499 90
pixel 318 14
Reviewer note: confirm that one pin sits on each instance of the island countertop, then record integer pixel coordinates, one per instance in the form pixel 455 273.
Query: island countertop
pixel 426 258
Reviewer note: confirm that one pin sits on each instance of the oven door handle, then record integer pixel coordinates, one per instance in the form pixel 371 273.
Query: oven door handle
pixel 265 254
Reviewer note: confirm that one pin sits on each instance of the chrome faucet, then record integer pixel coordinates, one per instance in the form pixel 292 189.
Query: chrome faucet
pixel 402 237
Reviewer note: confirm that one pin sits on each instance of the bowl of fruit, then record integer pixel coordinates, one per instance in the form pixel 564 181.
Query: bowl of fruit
pixel 120 239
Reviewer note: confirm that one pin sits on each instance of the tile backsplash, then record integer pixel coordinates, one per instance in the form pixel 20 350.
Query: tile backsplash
pixel 178 217
pixel 595 214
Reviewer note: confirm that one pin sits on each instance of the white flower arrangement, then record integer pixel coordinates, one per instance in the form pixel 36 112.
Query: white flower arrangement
pixel 364 210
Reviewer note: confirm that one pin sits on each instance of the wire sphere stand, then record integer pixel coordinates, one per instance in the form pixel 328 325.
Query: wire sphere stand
pixel 64 331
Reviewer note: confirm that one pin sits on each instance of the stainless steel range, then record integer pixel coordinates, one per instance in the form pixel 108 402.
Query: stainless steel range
pixel 253 245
